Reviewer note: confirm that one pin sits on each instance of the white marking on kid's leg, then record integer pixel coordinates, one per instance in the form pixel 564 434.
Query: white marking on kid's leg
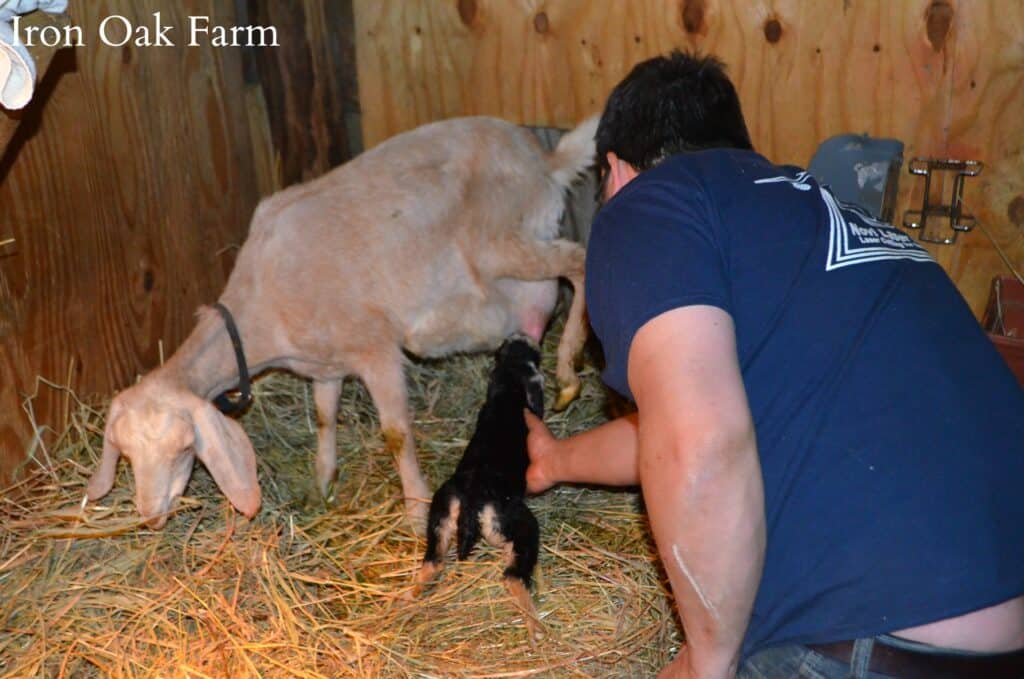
pixel 447 527
pixel 490 527
pixel 710 607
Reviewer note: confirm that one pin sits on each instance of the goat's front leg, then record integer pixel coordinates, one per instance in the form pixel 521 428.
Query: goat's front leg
pixel 326 394
pixel 385 380
pixel 518 256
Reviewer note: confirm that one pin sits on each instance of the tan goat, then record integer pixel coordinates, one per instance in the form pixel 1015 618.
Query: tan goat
pixel 440 240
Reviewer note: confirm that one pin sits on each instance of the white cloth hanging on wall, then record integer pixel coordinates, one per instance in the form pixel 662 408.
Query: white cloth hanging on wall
pixel 17 70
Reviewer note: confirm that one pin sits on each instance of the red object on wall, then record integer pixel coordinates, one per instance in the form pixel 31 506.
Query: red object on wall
pixel 1004 322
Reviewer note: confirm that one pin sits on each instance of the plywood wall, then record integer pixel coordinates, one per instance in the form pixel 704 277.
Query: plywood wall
pixel 944 76
pixel 986 121
pixel 130 183
pixel 128 189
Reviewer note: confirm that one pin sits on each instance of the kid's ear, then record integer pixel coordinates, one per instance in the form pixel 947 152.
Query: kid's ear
pixel 535 393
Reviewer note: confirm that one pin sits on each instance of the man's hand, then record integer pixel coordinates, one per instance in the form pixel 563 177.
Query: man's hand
pixel 679 668
pixel 604 455
pixel 682 667
pixel 540 445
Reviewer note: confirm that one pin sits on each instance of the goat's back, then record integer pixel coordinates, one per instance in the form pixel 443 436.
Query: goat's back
pixel 480 171
pixel 394 232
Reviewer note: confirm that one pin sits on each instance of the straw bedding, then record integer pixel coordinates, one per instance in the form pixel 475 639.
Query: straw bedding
pixel 312 588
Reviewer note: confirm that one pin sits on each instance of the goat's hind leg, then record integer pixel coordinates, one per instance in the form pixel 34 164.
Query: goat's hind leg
pixel 442 524
pixel 515 530
pixel 470 521
pixel 517 256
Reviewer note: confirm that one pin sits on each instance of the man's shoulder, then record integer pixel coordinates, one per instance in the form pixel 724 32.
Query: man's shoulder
pixel 715 171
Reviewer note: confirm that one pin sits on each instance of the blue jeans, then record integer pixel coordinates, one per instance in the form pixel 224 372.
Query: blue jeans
pixel 784 662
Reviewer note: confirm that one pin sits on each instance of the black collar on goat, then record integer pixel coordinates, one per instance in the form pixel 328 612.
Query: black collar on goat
pixel 224 403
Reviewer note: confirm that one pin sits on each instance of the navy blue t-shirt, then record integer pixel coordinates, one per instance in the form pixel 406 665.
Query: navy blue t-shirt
pixel 890 432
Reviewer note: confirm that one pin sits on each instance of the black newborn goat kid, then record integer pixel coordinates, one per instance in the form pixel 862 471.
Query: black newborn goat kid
pixel 485 494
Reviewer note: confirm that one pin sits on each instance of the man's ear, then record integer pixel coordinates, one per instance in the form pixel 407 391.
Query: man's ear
pixel 620 173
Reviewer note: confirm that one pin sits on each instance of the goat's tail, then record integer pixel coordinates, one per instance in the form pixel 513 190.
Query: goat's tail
pixel 574 153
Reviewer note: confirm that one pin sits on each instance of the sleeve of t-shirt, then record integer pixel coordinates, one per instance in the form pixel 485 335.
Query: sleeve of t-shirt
pixel 653 248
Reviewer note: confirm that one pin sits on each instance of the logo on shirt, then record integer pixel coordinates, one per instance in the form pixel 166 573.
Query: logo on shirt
pixel 855 237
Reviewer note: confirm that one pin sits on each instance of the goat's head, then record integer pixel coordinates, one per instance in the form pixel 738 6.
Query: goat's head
pixel 160 429
pixel 519 358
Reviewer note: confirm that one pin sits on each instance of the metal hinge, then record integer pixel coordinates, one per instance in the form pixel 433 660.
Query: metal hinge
pixel 954 211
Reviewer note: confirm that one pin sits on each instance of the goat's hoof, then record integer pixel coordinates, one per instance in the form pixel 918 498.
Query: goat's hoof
pixel 535 633
pixel 567 395
pixel 328 494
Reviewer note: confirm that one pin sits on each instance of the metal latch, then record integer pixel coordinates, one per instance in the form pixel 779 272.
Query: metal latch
pixel 954 211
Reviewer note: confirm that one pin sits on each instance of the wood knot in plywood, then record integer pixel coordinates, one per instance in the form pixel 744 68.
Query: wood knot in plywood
pixel 772 30
pixel 938 21
pixel 540 22
pixel 467 11
pixel 1015 211
pixel 692 15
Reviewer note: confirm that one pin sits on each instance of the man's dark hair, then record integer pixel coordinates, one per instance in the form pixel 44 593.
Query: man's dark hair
pixel 668 105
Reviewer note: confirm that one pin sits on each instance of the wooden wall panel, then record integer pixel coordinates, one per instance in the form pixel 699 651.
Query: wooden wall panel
pixel 303 83
pixel 804 70
pixel 987 122
pixel 127 193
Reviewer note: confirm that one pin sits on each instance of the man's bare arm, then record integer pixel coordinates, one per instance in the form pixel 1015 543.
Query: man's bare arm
pixel 701 479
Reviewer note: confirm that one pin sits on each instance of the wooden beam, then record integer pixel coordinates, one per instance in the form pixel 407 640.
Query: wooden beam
pixel 304 84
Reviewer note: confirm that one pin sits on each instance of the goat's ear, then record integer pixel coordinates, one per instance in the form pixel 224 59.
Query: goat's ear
pixel 224 448
pixel 535 393
pixel 102 479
